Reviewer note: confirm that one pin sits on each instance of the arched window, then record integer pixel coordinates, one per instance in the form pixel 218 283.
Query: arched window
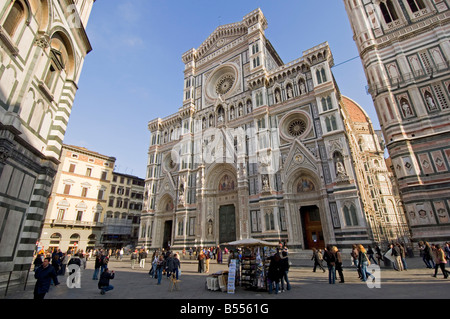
pixel 327 104
pixel 416 5
pixel 270 221
pixel 319 77
pixel 15 17
pixel 333 123
pixel 351 218
pixel 388 10
pixel 328 124
pixel 324 76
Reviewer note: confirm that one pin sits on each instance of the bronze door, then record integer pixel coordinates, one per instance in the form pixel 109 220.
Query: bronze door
pixel 227 224
pixel 312 227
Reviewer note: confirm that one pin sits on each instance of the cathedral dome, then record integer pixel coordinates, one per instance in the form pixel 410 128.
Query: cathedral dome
pixel 355 112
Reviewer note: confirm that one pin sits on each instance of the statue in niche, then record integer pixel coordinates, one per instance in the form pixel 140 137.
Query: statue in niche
pixel 340 169
pixel 277 96
pixel 265 182
pixel 181 192
pixel 210 227
pixel 302 88
pixel 406 108
pixel 431 105
pixel 290 92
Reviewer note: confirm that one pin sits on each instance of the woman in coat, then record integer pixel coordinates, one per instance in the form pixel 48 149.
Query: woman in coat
pixel 339 264
pixel 274 273
pixel 330 259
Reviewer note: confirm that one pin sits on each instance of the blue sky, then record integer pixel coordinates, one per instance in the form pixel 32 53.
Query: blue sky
pixel 135 74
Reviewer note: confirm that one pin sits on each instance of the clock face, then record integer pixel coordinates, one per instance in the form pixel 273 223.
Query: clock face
pixel 224 84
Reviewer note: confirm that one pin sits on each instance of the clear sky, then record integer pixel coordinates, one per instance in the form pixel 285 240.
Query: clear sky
pixel 135 74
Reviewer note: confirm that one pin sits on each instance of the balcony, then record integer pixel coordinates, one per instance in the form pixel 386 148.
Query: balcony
pixel 406 79
pixel 72 223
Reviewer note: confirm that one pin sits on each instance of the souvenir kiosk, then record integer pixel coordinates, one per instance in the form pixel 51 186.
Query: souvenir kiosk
pixel 252 267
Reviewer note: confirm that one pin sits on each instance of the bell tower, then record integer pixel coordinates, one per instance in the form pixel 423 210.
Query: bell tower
pixel 405 54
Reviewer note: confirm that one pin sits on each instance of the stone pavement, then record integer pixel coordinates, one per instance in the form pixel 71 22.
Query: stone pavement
pixel 129 284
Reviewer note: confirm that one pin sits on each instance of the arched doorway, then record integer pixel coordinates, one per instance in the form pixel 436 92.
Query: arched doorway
pixel 312 227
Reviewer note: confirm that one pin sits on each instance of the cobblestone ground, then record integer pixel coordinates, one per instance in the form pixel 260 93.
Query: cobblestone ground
pixel 416 283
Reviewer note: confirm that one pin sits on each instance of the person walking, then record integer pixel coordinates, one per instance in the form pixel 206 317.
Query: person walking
pixel 339 264
pixel 316 256
pixel 38 260
pixel 447 251
pixel 370 254
pixel 396 253
pixel 97 266
pixel 176 266
pixel 284 269
pixel 44 275
pixel 440 261
pixel 207 260
pixel 428 255
pixel 142 257
pixel 201 262
pixel 219 255
pixel 364 262
pixel 379 254
pixel 103 283
pixel 355 255
pixel 159 268
pixel 134 256
pixel 64 262
pixel 403 256
pixel 330 259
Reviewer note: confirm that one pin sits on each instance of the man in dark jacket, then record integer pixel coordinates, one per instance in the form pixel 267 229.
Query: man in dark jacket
pixel 103 283
pixel 44 275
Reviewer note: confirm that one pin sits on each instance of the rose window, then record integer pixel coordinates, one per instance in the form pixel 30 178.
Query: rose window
pixel 224 84
pixel 297 128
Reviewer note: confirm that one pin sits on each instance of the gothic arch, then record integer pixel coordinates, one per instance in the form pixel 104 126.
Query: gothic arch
pixel 300 175
pixel 216 172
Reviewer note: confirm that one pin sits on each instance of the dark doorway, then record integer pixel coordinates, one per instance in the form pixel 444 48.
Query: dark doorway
pixel 312 227
pixel 167 239
pixel 227 224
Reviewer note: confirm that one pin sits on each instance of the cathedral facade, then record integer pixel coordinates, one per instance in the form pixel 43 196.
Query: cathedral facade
pixel 43 44
pixel 404 48
pixel 260 149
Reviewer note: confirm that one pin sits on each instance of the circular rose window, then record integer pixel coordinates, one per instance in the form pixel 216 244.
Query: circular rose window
pixel 294 125
pixel 224 84
pixel 297 128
